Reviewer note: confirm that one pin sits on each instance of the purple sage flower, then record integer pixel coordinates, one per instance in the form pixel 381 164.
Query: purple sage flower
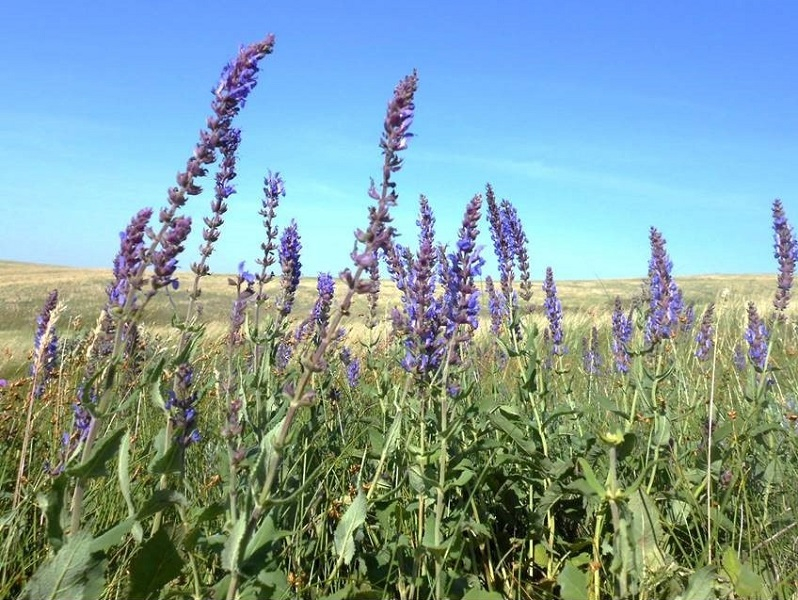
pixel 704 338
pixel 757 336
pixel 738 357
pixel 462 295
pixel 164 261
pixel 553 310
pixel 666 303
pixel 290 247
pixel 129 262
pixel 591 354
pixel 786 252
pixel 621 336
pixel 45 345
pixel 496 306
pixel 352 365
pixel 181 402
pixel 273 189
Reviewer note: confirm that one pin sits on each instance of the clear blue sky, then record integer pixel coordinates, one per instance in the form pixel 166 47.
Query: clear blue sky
pixel 596 119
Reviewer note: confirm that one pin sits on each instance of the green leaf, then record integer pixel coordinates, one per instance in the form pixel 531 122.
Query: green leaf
pixel 72 573
pixel 648 539
pixel 167 457
pixel 515 433
pixel 265 534
pixel 232 546
pixel 745 581
pixel 123 472
pixel 701 586
pixel 155 564
pixel 590 477
pixel 573 583
pixel 662 430
pixel 352 519
pixel 105 449
pixel 159 501
pixel 52 505
pixel 113 536
pixel 480 594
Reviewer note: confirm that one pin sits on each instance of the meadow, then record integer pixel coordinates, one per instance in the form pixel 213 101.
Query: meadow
pixel 412 428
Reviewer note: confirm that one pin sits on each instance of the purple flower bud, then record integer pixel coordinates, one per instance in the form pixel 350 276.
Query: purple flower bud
pixel 591 354
pixel 757 336
pixel 621 336
pixel 666 298
pixel 786 252
pixel 45 345
pixel 704 338
pixel 164 261
pixel 181 402
pixel 290 247
pixel 553 310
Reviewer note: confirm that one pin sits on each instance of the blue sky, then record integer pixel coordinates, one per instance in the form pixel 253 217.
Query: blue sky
pixel 597 120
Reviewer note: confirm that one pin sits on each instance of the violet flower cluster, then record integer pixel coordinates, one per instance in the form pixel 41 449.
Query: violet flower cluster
pixel 621 336
pixel 315 324
pixel 510 247
pixel 237 80
pixel 704 339
pixel 422 319
pixel 290 246
pixel 378 236
pixel 181 403
pixel 129 263
pixel 786 252
pixel 243 283
pixel 553 309
pixel 45 345
pixel 434 326
pixel 666 303
pixel 757 336
pixel 273 189
pixel 352 365
pixel 591 353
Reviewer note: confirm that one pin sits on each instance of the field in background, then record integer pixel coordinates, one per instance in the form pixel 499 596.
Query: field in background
pixel 23 288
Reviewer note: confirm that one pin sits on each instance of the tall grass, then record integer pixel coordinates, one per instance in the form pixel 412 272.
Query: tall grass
pixel 433 436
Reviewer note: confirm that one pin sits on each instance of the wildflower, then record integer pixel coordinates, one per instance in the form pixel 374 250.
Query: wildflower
pixel 229 140
pixel 290 247
pixel 621 336
pixel 703 339
pixel 129 262
pixel 398 119
pixel 738 357
pixel 553 309
pixel 687 319
pixel 757 337
pixel 591 355
pixel 325 286
pixel 666 298
pixel 423 313
pixel 45 345
pixel 352 365
pixel 511 223
pixel 786 252
pixel 164 261
pixel 273 188
pixel 3 383
pixel 464 265
pixel 379 234
pixel 502 241
pixel 181 402
pixel 496 306
pixel 283 354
